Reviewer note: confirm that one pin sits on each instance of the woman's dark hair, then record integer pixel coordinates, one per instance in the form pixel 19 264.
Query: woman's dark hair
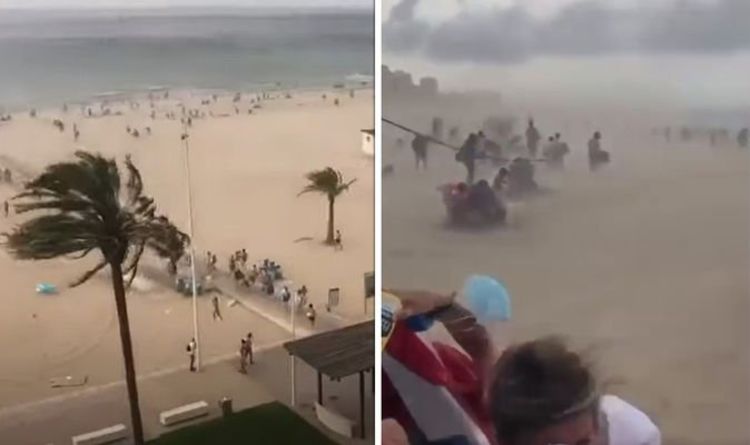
pixel 538 384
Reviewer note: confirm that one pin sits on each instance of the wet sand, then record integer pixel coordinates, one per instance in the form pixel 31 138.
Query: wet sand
pixel 645 264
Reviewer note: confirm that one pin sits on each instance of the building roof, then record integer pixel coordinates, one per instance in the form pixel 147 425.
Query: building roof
pixel 368 131
pixel 338 353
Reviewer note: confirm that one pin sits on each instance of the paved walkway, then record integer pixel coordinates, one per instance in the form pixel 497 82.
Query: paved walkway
pixel 56 420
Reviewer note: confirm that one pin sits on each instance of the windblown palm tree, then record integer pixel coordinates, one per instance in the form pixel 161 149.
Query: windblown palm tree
pixel 331 183
pixel 81 207
pixel 169 242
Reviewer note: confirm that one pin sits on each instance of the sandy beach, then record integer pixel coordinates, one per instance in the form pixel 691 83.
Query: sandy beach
pixel 247 170
pixel 644 263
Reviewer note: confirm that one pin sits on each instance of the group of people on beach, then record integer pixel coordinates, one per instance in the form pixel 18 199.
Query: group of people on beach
pixel 135 133
pixel 715 136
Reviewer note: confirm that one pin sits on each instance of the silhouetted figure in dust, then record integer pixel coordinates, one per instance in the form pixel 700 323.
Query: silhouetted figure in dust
pixel 532 139
pixel 742 138
pixel 597 156
pixel 437 128
pixel 468 154
pixel 419 146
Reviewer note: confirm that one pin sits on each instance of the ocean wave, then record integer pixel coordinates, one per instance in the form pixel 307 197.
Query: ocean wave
pixel 358 77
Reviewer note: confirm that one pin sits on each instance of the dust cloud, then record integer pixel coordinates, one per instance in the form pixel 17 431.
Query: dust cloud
pixel 644 262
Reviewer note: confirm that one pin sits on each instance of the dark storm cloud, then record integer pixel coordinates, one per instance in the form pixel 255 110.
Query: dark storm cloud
pixel 403 31
pixel 724 27
pixel 586 28
pixel 403 11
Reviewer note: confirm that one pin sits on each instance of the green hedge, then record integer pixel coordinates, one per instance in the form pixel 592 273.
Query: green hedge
pixel 272 423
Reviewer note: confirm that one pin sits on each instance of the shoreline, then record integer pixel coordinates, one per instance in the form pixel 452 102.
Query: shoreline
pixel 186 93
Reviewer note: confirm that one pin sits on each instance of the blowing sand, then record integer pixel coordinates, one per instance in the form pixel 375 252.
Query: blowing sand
pixel 644 263
pixel 246 173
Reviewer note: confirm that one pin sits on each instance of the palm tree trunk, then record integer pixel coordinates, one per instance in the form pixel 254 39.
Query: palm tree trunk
pixel 127 352
pixel 329 237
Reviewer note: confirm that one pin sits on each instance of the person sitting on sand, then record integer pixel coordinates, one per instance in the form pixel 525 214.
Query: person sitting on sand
pixel 501 180
pixel 555 152
pixel 483 199
pixel 597 156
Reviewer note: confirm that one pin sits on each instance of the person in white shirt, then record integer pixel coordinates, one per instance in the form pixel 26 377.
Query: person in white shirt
pixel 191 349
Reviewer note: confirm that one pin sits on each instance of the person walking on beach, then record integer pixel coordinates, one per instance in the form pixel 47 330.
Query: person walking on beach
pixel 310 314
pixel 338 244
pixel 243 356
pixel 249 348
pixel 217 313
pixel 6 208
pixel 191 349
pixel 76 133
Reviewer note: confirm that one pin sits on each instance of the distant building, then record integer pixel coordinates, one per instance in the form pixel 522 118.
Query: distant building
pixel 402 83
pixel 428 86
pixel 368 142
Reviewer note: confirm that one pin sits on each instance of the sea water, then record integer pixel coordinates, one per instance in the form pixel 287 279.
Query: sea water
pixel 51 57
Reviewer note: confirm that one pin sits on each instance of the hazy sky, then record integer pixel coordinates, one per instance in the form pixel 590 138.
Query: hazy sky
pixel 65 4
pixel 696 52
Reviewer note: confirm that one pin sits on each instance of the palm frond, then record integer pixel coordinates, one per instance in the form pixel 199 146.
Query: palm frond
pixel 85 277
pixel 50 236
pixel 327 181
pixel 132 267
pixel 135 182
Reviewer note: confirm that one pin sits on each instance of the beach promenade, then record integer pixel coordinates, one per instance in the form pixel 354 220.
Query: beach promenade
pixel 55 420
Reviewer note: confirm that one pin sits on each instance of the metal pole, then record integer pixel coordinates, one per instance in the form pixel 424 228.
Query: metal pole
pixel 320 388
pixel 291 357
pixel 362 403
pixel 192 251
